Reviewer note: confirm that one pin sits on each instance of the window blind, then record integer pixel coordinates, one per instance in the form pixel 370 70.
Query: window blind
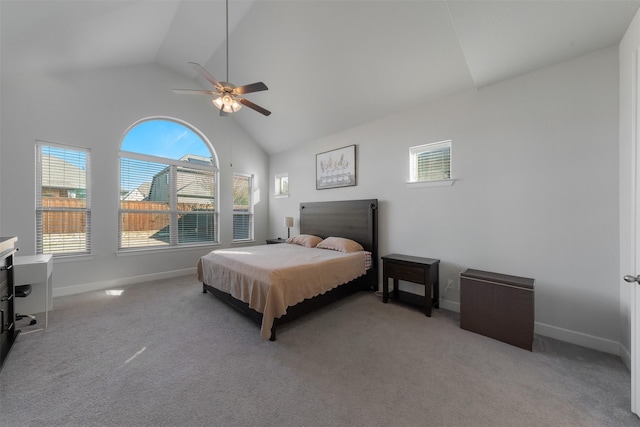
pixel 165 204
pixel 242 207
pixel 431 162
pixel 63 200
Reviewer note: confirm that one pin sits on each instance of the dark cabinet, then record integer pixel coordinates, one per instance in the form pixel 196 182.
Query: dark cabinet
pixel 8 331
pixel 498 306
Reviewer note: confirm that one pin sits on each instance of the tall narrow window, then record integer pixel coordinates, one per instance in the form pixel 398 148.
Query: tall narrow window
pixel 430 162
pixel 282 185
pixel 242 207
pixel 63 200
pixel 168 187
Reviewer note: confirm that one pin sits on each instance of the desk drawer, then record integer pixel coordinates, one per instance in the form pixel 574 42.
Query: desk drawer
pixel 5 265
pixel 405 272
pixel 32 269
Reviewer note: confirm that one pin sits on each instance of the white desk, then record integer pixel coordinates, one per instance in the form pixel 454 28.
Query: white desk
pixel 34 270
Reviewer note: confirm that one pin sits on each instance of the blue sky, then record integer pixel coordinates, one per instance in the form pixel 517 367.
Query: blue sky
pixel 164 138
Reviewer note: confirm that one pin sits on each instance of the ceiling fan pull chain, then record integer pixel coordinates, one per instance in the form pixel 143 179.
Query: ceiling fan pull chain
pixel 227 22
pixel 228 100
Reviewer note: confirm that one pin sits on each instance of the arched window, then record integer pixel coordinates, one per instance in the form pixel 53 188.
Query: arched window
pixel 168 186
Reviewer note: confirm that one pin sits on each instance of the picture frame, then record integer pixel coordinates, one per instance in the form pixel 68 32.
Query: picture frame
pixel 336 168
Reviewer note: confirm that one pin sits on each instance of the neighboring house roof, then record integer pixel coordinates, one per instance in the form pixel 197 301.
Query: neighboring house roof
pixel 134 195
pixel 192 186
pixel 61 174
pixel 138 194
pixel 194 158
pixel 144 189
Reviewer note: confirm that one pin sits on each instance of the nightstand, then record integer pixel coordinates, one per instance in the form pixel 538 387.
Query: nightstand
pixel 423 271
pixel 274 241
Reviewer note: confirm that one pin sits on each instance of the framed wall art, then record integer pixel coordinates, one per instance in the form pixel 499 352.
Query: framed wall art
pixel 336 168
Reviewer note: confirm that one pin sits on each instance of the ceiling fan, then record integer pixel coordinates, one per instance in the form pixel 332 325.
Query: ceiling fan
pixel 229 100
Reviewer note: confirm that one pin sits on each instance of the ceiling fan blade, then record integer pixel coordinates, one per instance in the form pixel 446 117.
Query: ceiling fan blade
pixel 253 106
pixel 204 73
pixel 194 92
pixel 253 87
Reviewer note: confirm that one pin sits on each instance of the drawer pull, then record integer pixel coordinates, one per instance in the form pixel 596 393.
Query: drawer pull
pixel 6 267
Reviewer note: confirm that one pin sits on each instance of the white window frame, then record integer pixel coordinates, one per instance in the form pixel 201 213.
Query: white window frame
pixel 279 191
pixel 173 211
pixel 249 238
pixel 443 176
pixel 172 182
pixel 82 246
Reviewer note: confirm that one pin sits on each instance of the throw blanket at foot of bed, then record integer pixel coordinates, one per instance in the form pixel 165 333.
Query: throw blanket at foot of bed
pixel 271 278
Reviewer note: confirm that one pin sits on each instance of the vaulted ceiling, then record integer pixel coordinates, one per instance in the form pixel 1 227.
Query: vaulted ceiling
pixel 329 65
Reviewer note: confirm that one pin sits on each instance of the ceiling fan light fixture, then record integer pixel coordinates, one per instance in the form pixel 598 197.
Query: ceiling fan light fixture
pixel 227 103
pixel 228 100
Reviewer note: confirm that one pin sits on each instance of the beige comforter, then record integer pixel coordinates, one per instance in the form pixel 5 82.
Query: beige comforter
pixel 271 278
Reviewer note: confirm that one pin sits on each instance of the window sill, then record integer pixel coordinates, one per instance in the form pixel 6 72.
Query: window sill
pixel 145 251
pixel 242 242
pixel 281 196
pixel 439 183
pixel 57 258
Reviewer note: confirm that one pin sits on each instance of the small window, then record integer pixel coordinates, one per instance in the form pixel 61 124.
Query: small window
pixel 282 185
pixel 242 207
pixel 63 200
pixel 430 162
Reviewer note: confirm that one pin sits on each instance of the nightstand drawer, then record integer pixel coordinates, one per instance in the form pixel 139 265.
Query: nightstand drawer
pixel 405 272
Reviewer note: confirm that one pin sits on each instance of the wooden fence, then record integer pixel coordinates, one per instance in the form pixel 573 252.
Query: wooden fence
pixel 61 222
pixel 57 222
pixel 144 221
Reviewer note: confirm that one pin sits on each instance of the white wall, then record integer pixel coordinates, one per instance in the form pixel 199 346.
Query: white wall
pixel 628 48
pixel 93 109
pixel 536 193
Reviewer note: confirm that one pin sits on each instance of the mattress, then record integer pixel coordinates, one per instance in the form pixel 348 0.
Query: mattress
pixel 271 278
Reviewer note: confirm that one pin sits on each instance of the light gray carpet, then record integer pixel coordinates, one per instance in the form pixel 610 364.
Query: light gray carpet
pixel 165 354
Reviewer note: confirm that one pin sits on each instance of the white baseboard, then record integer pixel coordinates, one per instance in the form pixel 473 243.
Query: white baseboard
pixel 573 337
pixel 450 305
pixel 566 335
pixel 625 355
pixel 116 283
pixel 579 338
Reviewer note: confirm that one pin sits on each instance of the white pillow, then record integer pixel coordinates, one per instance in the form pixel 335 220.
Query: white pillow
pixel 340 244
pixel 308 240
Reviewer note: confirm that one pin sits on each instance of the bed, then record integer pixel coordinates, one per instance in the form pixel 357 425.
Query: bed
pixel 356 220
